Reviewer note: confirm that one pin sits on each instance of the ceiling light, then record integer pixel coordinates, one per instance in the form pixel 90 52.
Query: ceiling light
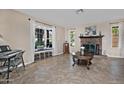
pixel 79 11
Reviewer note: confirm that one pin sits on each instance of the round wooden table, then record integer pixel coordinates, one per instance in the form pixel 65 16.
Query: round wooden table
pixel 86 58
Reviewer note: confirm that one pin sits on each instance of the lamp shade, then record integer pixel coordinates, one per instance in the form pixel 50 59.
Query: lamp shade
pixel 82 47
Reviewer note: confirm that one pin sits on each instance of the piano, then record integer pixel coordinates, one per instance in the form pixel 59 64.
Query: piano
pixel 6 54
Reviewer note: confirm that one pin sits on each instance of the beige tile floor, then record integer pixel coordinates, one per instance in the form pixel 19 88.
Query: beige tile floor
pixel 59 70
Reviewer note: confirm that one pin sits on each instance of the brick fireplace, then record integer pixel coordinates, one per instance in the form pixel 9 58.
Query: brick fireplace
pixel 92 44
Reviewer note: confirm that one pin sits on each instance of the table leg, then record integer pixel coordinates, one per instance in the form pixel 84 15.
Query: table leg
pixel 88 61
pixel 78 62
pixel 73 64
pixel 8 70
pixel 23 63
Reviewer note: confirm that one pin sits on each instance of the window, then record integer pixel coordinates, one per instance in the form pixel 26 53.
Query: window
pixel 49 38
pixel 39 38
pixel 72 38
pixel 115 36
pixel 43 38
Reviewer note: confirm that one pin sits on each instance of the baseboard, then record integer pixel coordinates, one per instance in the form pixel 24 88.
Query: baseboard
pixel 115 56
pixel 58 54
pixel 28 63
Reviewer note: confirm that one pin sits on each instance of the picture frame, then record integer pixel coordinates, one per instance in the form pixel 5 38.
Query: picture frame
pixel 91 30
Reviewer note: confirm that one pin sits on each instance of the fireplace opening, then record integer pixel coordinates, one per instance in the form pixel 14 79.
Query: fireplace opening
pixel 90 48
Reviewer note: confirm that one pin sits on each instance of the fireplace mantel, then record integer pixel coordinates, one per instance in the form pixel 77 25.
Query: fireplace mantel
pixel 91 36
pixel 94 40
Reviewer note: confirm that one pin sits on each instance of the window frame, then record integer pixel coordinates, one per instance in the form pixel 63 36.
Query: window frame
pixel 73 38
pixel 45 28
pixel 115 25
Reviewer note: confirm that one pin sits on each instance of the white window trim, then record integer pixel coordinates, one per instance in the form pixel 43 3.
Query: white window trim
pixel 45 28
pixel 119 35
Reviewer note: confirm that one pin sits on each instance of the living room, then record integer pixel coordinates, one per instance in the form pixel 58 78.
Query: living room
pixel 44 42
pixel 61 46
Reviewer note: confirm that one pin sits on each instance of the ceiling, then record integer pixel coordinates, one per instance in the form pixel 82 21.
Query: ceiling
pixel 69 17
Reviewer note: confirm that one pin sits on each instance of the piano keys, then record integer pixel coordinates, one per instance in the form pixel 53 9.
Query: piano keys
pixel 9 53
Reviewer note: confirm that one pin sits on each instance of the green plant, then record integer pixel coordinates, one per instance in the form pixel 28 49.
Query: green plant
pixel 39 43
pixel 115 31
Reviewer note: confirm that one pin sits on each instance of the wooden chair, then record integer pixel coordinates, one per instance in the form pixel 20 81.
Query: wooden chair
pixel 75 60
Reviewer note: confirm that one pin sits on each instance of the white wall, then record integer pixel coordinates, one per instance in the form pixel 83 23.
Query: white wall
pixel 18 32
pixel 60 39
pixel 15 29
pixel 122 39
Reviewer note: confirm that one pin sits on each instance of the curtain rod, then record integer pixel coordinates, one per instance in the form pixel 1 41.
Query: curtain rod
pixel 43 23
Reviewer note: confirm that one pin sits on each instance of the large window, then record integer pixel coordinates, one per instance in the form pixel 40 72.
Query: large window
pixel 43 38
pixel 115 36
pixel 39 38
pixel 49 38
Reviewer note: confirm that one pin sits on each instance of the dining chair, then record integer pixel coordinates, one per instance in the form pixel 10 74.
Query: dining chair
pixel 74 58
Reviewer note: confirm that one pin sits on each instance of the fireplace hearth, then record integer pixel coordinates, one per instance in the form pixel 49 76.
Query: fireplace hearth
pixel 92 44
